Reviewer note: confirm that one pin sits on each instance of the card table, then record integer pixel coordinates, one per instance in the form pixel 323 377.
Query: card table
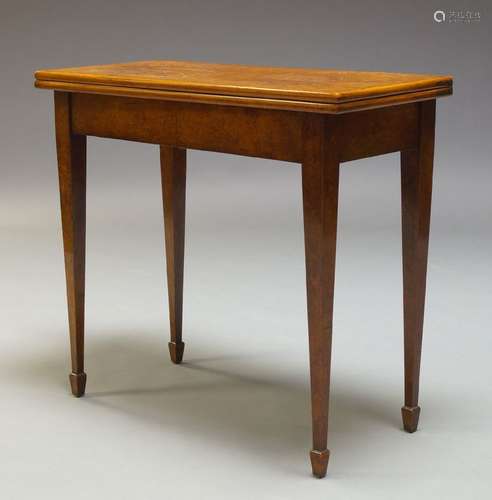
pixel 318 118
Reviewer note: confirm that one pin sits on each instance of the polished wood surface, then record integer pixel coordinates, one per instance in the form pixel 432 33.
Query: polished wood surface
pixel 173 175
pixel 416 192
pixel 317 90
pixel 320 174
pixel 263 133
pixel 71 152
pixel 272 134
pixel 308 135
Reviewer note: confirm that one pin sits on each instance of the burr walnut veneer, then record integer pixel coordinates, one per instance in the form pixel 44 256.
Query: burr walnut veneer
pixel 318 118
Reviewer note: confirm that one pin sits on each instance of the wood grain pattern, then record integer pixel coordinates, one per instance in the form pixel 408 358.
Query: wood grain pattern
pixel 173 175
pixel 416 190
pixel 317 90
pixel 320 174
pixel 251 132
pixel 377 131
pixel 71 152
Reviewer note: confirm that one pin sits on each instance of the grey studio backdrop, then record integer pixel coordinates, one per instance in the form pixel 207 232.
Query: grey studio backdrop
pixel 234 420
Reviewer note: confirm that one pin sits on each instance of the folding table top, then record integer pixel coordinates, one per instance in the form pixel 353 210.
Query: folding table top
pixel 298 89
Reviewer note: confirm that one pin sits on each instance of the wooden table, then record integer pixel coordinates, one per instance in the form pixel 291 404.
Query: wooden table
pixel 318 118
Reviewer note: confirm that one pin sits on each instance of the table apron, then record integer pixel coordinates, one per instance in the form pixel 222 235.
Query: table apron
pixel 263 133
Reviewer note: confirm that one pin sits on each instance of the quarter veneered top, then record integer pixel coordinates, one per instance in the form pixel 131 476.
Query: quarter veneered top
pixel 321 90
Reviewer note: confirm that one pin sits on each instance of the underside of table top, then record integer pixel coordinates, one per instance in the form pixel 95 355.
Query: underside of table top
pixel 296 89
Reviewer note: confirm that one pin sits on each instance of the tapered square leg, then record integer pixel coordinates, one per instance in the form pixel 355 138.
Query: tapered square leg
pixel 173 175
pixel 320 177
pixel 416 189
pixel 71 153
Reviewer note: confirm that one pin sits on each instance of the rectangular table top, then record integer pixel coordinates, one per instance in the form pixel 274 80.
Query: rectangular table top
pixel 317 90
